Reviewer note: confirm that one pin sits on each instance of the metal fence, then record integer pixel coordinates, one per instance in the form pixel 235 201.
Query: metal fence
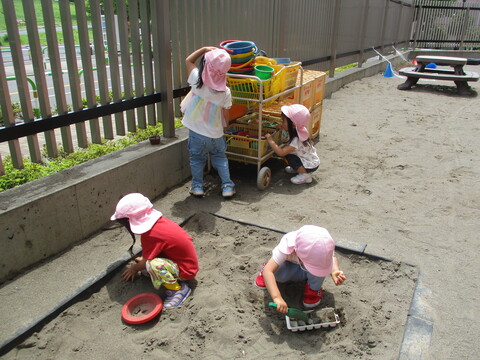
pixel 446 25
pixel 119 67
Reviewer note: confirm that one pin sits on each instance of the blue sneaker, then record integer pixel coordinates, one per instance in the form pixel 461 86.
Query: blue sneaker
pixel 176 297
pixel 228 191
pixel 197 191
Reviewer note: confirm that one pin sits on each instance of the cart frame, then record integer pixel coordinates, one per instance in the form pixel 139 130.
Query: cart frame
pixel 263 173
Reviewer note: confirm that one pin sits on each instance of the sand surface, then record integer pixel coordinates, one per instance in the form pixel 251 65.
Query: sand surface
pixel 227 317
pixel 399 173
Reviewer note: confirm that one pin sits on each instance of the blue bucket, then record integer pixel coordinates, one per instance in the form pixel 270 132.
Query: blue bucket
pixel 240 47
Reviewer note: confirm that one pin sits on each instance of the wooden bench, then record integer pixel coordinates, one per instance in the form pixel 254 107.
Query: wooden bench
pixel 457 74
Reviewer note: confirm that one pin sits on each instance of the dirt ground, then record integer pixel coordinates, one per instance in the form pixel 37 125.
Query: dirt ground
pixel 399 173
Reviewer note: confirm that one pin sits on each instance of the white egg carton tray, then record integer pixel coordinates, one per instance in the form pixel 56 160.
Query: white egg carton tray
pixel 295 325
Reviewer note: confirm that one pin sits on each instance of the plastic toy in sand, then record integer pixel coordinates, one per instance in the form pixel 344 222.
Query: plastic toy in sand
pixel 323 318
pixel 142 308
pixel 298 320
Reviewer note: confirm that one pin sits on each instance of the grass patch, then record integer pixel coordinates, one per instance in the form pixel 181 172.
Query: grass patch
pixel 38 13
pixel 33 171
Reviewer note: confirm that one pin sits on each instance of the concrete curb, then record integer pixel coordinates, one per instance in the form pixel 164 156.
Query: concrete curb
pixel 25 329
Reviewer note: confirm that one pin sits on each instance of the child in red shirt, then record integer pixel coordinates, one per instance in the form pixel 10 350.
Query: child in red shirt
pixel 168 253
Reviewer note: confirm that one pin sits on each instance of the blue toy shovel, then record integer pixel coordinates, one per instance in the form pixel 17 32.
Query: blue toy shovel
pixel 293 313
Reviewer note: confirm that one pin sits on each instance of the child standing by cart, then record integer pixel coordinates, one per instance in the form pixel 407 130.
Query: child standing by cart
pixel 204 115
pixel 306 254
pixel 168 254
pixel 299 152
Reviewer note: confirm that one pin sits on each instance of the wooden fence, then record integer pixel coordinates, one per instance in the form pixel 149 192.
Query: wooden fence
pixel 115 69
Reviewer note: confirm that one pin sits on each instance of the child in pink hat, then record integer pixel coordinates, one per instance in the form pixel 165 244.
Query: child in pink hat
pixel 299 152
pixel 168 254
pixel 307 254
pixel 204 114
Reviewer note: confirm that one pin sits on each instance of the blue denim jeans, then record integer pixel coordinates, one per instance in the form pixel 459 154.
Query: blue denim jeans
pixel 199 147
pixel 289 271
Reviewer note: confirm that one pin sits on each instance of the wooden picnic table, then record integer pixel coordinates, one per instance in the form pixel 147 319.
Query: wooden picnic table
pixel 455 73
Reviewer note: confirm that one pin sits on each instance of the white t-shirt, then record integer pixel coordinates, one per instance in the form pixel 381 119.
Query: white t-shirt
pixel 203 108
pixel 279 257
pixel 306 153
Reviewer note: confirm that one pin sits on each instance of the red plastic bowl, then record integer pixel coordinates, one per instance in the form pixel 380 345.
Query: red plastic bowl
pixel 142 308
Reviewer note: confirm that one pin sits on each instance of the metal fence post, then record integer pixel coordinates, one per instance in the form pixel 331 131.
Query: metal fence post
pixel 86 55
pixel 333 42
pixel 39 73
pixel 384 25
pixel 21 74
pixel 56 71
pixel 7 112
pixel 399 19
pixel 417 18
pixel 72 66
pixel 361 35
pixel 464 26
pixel 163 65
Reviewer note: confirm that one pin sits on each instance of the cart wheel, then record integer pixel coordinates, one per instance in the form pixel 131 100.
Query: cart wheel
pixel 263 178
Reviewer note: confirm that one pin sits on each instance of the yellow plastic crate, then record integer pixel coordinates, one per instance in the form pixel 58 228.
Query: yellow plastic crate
pixel 250 88
pixel 290 75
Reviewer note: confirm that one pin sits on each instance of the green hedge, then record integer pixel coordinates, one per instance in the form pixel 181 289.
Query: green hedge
pixel 32 171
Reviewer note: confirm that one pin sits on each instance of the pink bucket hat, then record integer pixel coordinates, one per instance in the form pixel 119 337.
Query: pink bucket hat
pixel 314 247
pixel 300 117
pixel 139 211
pixel 217 64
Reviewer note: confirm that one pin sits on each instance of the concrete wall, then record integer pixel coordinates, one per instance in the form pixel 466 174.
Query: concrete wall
pixel 44 217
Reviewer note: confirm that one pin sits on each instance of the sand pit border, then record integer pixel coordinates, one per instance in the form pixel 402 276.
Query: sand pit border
pixel 418 327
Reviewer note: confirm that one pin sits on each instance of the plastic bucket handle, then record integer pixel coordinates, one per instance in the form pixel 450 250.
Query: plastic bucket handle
pixel 223 43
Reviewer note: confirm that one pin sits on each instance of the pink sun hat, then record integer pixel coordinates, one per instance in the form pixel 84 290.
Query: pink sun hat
pixel 217 64
pixel 313 245
pixel 139 211
pixel 300 117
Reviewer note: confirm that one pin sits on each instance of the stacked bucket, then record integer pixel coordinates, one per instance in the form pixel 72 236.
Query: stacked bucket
pixel 243 55
pixel 245 59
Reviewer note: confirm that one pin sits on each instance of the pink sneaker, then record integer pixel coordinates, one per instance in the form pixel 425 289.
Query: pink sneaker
pixel 302 179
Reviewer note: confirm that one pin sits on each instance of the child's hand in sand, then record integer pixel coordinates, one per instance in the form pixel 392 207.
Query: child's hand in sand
pixel 129 273
pixel 282 306
pixel 338 277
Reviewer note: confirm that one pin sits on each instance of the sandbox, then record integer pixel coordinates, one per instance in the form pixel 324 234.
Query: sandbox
pixel 228 317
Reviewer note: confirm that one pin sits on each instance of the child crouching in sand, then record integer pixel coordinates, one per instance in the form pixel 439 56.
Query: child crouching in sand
pixel 168 253
pixel 300 153
pixel 303 255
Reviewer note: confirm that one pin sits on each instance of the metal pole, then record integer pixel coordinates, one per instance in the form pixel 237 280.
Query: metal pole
pixel 464 25
pixel 333 43
pixel 384 25
pixel 163 61
pixel 363 30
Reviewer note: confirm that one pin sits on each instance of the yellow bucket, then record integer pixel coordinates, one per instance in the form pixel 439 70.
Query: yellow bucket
pixel 245 55
pixel 263 60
